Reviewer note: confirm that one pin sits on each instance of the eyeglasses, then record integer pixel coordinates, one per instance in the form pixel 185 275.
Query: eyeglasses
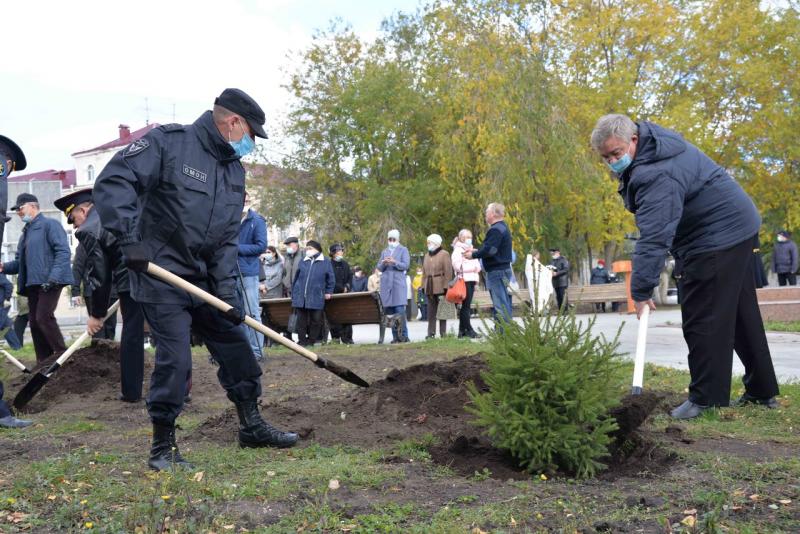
pixel 392 239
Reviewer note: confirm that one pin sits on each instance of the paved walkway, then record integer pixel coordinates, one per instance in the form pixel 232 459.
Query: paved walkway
pixel 665 343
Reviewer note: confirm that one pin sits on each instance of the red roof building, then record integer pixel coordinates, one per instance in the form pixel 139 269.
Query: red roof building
pixel 67 178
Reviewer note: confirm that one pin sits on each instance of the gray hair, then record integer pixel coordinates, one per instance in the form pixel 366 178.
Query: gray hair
pixel 613 125
pixel 497 208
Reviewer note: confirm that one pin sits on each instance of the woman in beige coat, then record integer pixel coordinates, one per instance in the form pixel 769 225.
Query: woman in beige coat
pixel 437 272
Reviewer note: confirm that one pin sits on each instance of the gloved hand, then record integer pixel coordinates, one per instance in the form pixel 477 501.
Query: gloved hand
pixel 135 257
pixel 47 286
pixel 234 315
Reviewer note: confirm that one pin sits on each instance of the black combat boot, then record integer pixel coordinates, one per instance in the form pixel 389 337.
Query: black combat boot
pixel 255 432
pixel 164 454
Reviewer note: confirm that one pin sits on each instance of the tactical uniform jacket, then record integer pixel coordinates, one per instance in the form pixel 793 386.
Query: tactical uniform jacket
pixel 104 268
pixel 180 191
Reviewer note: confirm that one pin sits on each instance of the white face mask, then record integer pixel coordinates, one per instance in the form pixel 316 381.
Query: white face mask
pixel 268 256
pixel 781 239
pixel 431 248
pixel 310 252
pixel 468 242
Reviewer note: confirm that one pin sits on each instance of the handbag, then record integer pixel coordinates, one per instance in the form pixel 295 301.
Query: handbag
pixel 457 292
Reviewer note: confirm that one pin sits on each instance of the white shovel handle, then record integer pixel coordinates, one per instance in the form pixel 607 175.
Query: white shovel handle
pixel 641 344
pixel 83 337
pixel 16 362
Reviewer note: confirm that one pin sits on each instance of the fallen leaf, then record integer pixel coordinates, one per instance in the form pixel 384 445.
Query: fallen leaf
pixel 51 497
pixel 198 476
pixel 270 473
pixel 228 527
pixel 333 484
pixel 773 507
pixel 126 472
pixel 754 497
pixel 476 530
pixel 690 511
pixel 543 476
pixel 689 521
pixel 16 517
pixel 421 418
pixel 513 521
pixel 785 501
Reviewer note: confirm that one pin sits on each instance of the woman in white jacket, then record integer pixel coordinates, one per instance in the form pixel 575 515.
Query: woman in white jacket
pixel 540 281
pixel 468 270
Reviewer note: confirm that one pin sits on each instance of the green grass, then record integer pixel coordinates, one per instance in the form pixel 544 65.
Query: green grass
pixel 782 326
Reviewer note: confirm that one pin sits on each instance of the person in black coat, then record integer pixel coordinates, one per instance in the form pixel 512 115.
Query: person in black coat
pixel 600 275
pixel 560 267
pixel 688 205
pixel 343 281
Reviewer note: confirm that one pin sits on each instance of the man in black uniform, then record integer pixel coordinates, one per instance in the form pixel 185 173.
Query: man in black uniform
pixel 82 290
pixel 105 270
pixel 560 268
pixel 343 280
pixel 175 197
pixel 11 159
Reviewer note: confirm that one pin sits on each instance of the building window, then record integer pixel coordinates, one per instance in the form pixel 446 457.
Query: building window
pixel 90 173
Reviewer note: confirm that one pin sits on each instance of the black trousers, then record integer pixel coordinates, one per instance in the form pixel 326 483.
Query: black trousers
pixel 787 278
pixel 464 324
pixel 170 325
pixel 20 324
pixel 310 324
pixel 131 347
pixel 47 338
pixel 720 314
pixel 560 292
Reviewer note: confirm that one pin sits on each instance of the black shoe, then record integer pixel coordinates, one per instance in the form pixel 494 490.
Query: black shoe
pixel 395 341
pixel 349 342
pixel 123 398
pixel 472 334
pixel 688 410
pixel 187 398
pixel 255 432
pixel 164 454
pixel 749 399
pixel 430 337
pixel 10 421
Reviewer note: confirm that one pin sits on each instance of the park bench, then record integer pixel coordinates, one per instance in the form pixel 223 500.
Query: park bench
pixel 482 301
pixel 342 308
pixel 597 293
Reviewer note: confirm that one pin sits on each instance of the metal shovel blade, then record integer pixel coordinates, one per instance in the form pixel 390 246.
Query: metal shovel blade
pixel 33 386
pixel 342 372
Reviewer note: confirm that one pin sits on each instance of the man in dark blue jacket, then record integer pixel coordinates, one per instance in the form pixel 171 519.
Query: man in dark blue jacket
pixel 42 263
pixel 175 197
pixel 784 259
pixel 687 204
pixel 495 253
pixel 252 243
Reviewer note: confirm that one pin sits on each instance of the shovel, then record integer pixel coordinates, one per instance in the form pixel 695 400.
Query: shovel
pixel 18 364
pixel 342 372
pixel 641 343
pixel 40 379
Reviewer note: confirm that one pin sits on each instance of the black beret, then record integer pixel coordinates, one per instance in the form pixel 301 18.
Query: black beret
pixel 312 243
pixel 290 240
pixel 241 103
pixel 68 202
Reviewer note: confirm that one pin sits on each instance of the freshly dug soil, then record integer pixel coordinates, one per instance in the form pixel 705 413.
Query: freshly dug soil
pixel 423 399
pixel 89 369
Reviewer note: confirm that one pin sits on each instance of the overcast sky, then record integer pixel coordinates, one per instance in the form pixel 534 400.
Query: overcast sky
pixel 73 71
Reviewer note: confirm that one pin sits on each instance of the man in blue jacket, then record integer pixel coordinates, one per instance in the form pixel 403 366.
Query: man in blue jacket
pixel 42 263
pixel 495 253
pixel 252 243
pixel 687 204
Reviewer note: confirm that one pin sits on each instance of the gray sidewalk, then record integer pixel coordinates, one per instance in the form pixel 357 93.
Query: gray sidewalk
pixel 665 343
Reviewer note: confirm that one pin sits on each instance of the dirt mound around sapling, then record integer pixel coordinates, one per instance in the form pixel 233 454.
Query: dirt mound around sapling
pixel 86 371
pixel 419 400
pixel 423 399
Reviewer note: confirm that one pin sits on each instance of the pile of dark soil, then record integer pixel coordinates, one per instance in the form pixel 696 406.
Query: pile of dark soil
pixel 419 400
pixel 88 370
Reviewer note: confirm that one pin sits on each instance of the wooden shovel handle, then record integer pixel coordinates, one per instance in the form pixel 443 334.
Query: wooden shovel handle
pixel 221 305
pixel 78 342
pixel 18 364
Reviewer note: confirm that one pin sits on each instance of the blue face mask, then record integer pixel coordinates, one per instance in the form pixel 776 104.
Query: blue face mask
pixel 621 164
pixel 243 146
pixel 27 218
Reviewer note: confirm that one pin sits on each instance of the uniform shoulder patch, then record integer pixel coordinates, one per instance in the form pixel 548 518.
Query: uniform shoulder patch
pixel 137 147
pixel 172 127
